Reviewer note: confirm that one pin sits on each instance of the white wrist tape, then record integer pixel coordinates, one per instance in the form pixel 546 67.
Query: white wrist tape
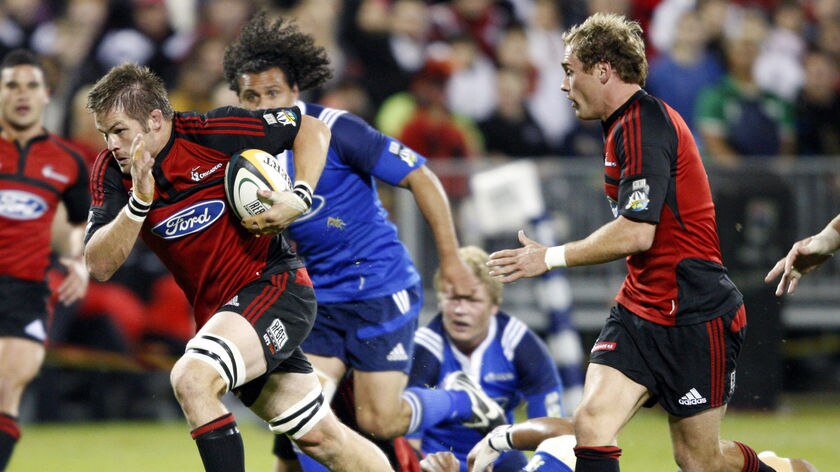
pixel 555 256
pixel 297 202
pixel 304 191
pixel 136 209
pixel 500 440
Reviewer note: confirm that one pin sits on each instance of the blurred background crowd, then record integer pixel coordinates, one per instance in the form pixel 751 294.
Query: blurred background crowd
pixel 463 81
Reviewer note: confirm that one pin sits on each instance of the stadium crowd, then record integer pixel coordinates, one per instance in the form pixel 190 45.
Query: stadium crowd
pixel 459 80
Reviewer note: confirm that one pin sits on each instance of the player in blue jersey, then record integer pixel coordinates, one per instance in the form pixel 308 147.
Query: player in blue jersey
pixel 369 292
pixel 472 337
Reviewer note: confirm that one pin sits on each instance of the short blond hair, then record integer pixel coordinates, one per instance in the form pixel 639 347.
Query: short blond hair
pixel 611 38
pixel 476 259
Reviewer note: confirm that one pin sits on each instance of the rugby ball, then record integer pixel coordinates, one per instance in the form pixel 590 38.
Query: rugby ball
pixel 248 172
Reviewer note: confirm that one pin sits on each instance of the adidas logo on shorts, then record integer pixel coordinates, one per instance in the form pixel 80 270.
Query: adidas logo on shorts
pixel 693 397
pixel 398 353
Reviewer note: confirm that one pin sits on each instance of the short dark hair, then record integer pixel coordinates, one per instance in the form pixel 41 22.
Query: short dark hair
pixel 22 57
pixel 133 88
pixel 264 44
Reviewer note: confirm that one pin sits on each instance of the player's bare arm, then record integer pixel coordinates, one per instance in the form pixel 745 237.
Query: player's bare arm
pixel 434 205
pixel 110 246
pixel 74 286
pixel 805 256
pixel 310 154
pixel 68 243
pixel 615 240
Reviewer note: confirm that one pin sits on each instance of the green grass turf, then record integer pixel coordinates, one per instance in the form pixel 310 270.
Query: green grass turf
pixel 804 427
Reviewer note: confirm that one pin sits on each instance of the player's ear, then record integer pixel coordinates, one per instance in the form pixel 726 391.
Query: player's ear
pixel 155 120
pixel 603 71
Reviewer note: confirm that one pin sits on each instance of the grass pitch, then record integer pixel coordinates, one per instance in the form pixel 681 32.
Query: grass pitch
pixel 803 427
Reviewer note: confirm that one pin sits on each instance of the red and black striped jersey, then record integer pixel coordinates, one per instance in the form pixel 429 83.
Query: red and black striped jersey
pixel 189 226
pixel 33 179
pixel 653 173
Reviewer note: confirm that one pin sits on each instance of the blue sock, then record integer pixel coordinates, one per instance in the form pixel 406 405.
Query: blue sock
pixel 432 406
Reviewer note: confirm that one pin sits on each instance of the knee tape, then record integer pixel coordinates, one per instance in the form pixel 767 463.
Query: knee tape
pixel 221 354
pixel 301 417
pixel 328 384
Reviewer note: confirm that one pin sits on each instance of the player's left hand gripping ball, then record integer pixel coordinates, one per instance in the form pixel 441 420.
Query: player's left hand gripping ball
pixel 260 193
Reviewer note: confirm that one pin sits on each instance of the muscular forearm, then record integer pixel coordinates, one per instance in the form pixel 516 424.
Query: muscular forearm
pixel 75 242
pixel 110 246
pixel 831 234
pixel 615 240
pixel 310 150
pixel 528 435
pixel 434 205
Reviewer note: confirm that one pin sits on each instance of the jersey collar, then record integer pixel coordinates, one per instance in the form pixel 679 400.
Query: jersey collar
pixel 620 111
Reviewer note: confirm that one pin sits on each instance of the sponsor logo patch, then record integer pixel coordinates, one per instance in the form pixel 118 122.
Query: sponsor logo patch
pixel 731 383
pixel 275 336
pixel 192 219
pixel 639 200
pixel 397 354
pixel 498 376
pixel 282 117
pixel 36 330
pixel 693 397
pixel 51 173
pixel 604 346
pixel 335 222
pixel 21 205
pixel 404 153
pixel 197 175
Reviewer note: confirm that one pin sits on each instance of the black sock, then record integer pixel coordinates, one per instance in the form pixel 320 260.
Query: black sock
pixel 9 435
pixel 597 459
pixel 220 445
pixel 751 460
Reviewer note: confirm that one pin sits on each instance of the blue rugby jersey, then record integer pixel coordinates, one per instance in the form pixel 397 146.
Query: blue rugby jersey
pixel 512 365
pixel 350 247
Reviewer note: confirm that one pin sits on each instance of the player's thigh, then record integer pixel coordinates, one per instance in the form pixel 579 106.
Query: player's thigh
pixel 20 360
pixel 610 399
pixel 328 368
pixel 293 404
pixel 382 338
pixel 282 390
pixel 379 392
pixel 258 330
pixel 238 338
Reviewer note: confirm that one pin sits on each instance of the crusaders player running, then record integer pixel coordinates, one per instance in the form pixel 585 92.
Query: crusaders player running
pixel 161 178
pixel 675 333
pixel 38 172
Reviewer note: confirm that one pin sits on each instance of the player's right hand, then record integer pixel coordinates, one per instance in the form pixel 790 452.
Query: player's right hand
pixel 443 461
pixel 286 207
pixel 482 455
pixel 513 264
pixel 142 181
pixel 805 256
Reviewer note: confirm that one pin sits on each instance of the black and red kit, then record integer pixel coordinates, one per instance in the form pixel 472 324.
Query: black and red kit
pixel 34 179
pixel 654 173
pixel 190 226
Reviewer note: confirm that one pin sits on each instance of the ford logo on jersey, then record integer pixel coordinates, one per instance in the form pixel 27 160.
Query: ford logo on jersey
pixel 20 205
pixel 190 220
